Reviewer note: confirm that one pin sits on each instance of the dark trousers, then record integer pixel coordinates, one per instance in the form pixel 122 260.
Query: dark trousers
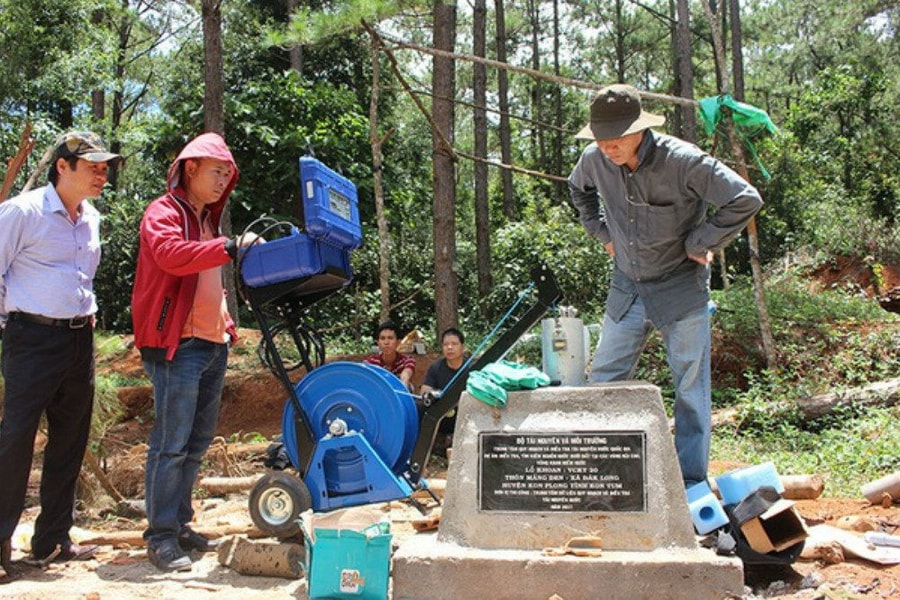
pixel 46 370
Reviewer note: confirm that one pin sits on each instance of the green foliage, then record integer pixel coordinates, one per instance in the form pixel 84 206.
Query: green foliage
pixel 115 277
pixel 825 342
pixel 551 235
pixel 851 451
pixel 835 179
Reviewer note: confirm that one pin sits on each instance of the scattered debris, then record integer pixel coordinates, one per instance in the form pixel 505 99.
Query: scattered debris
pixel 827 536
pixel 586 546
pixel 856 523
pixel 429 522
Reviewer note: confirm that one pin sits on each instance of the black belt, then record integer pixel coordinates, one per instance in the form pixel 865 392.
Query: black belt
pixel 73 323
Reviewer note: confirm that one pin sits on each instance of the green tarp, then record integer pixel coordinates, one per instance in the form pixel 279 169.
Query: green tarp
pixel 749 121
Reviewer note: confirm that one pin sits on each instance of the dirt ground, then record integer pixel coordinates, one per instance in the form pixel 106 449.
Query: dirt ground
pixel 252 407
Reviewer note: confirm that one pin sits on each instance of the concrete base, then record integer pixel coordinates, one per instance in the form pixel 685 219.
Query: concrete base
pixel 482 551
pixel 425 568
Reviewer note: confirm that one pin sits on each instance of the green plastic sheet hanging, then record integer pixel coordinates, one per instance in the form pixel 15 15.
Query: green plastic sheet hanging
pixel 749 121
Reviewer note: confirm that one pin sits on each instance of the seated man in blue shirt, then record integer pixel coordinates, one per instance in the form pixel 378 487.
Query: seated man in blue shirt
pixel 49 253
pixel 660 207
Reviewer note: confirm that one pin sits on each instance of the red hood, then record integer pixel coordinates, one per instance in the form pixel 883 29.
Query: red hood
pixel 207 145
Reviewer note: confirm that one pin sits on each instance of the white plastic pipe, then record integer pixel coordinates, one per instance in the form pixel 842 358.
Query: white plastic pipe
pixel 882 539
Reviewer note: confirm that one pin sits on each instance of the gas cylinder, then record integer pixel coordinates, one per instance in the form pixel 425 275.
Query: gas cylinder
pixel 564 346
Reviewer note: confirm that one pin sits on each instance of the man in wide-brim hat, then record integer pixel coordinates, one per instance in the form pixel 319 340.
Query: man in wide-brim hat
pixel 647 196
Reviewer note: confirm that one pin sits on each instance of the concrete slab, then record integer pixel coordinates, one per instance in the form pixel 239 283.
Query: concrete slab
pixel 425 568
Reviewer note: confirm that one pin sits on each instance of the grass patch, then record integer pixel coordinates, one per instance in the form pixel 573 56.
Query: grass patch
pixel 850 452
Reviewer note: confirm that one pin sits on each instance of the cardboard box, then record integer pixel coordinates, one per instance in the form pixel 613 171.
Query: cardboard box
pixel 348 553
pixel 777 529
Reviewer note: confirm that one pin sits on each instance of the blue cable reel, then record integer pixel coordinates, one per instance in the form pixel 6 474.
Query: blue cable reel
pixel 366 425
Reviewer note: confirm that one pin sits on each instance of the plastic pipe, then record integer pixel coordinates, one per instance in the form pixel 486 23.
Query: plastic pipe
pixel 889 484
pixel 882 539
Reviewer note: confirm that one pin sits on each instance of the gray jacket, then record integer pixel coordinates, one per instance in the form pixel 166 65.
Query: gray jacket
pixel 679 201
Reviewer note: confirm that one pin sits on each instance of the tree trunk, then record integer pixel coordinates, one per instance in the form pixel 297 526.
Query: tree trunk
pixel 482 209
pixel 737 53
pixel 214 116
pixel 295 52
pixel 14 164
pixel 759 293
pixel 509 201
pixel 537 133
pixel 619 45
pixel 562 189
pixel 384 249
pixel 98 105
pixel 214 88
pixel 685 117
pixel 446 284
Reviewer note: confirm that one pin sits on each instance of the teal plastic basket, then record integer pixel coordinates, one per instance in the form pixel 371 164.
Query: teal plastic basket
pixel 346 563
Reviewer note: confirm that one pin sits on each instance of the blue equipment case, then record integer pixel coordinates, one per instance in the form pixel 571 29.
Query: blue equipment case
pixel 292 257
pixel 330 205
pixel 332 230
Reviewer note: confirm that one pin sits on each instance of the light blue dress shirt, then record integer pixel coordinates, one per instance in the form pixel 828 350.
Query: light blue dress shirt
pixel 47 262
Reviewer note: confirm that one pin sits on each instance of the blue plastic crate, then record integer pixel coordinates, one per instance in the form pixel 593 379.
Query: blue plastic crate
pixel 736 485
pixel 291 257
pixel 330 205
pixel 346 560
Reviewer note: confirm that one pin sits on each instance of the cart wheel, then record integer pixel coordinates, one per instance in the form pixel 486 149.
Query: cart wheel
pixel 276 502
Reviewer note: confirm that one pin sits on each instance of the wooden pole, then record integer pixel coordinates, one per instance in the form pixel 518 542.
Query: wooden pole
pixel 14 164
pixel 759 294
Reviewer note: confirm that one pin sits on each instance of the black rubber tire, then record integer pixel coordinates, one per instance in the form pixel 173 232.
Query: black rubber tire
pixel 276 502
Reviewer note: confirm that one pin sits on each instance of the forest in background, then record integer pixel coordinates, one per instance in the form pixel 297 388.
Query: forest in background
pixel 457 123
pixel 397 97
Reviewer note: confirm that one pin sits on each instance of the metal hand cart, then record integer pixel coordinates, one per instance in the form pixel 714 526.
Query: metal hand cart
pixel 351 431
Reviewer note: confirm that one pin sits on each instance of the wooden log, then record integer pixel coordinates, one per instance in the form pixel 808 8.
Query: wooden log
pixel 135 539
pixel 219 486
pixel 880 393
pixel 271 559
pixel 883 491
pixel 802 487
pixel 242 451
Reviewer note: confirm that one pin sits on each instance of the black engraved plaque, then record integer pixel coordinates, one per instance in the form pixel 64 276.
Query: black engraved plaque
pixel 562 472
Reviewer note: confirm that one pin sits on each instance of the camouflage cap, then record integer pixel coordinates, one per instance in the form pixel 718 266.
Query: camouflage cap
pixel 83 144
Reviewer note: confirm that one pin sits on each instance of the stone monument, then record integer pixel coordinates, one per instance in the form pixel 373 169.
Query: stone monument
pixel 594 464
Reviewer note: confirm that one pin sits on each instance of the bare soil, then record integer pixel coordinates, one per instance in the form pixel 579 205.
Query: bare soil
pixel 253 403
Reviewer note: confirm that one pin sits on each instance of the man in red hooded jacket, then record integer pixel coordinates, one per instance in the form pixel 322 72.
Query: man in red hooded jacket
pixel 182 329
